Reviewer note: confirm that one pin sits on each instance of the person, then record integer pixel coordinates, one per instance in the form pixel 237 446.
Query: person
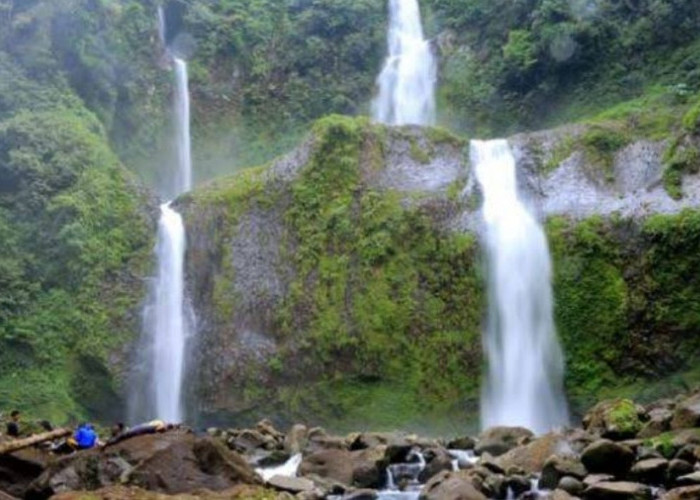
pixel 85 437
pixel 152 427
pixel 117 429
pixel 13 424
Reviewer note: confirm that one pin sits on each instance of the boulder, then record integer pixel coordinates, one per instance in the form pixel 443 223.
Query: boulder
pixel 614 419
pixel 19 469
pixel 621 490
pixel 462 443
pixel 607 457
pixel 592 479
pixel 174 462
pixel 119 492
pixel 365 494
pixel 437 460
pixel 571 485
pixel 296 439
pixel 361 468
pixel 556 467
pixel 677 468
pixel 559 495
pixel 290 484
pixel 689 479
pixel 687 413
pixel 451 486
pixel 518 484
pixel 530 458
pixel 684 493
pixel 499 440
pixel 650 471
pixel 658 423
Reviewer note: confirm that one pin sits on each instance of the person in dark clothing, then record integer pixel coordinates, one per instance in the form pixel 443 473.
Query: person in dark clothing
pixel 13 424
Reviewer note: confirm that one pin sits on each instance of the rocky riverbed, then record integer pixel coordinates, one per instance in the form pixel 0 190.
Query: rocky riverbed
pixel 622 451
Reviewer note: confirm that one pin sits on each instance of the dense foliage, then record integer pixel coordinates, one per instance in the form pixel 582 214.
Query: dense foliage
pixel 73 240
pixel 512 65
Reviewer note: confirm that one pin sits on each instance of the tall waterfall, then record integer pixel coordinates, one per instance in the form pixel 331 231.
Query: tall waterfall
pixel 407 81
pixel 166 321
pixel 525 361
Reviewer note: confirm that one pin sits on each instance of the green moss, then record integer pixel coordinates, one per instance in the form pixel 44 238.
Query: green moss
pixel 419 154
pixel 622 415
pixel 600 145
pixel 691 119
pixel 563 150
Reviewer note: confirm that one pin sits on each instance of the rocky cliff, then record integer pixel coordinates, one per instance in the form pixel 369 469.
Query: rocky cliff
pixel 344 281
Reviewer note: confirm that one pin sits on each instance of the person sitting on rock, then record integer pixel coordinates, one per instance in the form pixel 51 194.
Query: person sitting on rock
pixel 13 424
pixel 151 427
pixel 84 437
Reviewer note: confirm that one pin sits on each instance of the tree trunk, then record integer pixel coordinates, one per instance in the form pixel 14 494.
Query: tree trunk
pixel 18 444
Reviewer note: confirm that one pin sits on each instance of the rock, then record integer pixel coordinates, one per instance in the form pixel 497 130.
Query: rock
pixel 571 485
pixel 451 486
pixel 247 441
pixel 687 453
pixel 659 422
pixel 689 479
pixel 621 490
pixel 365 494
pixel 644 453
pixel 374 439
pixel 592 479
pixel 290 484
pixel 499 440
pixel 495 486
pixel 678 468
pixel 559 495
pixel 173 462
pixel 530 458
pixel 687 413
pixel 134 493
pixel 488 462
pixel 684 493
pixel 650 471
pixel 605 456
pixel 557 467
pixel 614 419
pixel 296 439
pixel 19 469
pixel 518 484
pixel 437 460
pixel 462 443
pixel 361 468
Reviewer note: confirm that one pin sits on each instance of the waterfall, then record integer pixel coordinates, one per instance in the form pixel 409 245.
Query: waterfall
pixel 525 362
pixel 170 324
pixel 407 81
pixel 166 322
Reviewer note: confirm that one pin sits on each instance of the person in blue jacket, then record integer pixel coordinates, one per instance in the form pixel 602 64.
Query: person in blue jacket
pixel 85 437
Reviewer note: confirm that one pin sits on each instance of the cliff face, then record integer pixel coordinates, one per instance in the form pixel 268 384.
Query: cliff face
pixel 344 281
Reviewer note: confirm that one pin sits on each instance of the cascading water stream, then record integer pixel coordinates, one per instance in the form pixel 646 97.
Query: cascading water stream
pixel 407 81
pixel 525 362
pixel 167 323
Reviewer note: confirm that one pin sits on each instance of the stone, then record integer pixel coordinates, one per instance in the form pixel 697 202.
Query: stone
pixel 172 462
pixel 518 484
pixel 559 495
pixel 437 460
pixel 530 458
pixel 296 439
pixel 650 471
pixel 451 486
pixel 462 443
pixel 290 484
pixel 592 479
pixel 677 468
pixel 571 485
pixel 608 457
pixel 247 441
pixel 365 494
pixel 557 467
pixel 687 413
pixel 689 479
pixel 499 440
pixel 684 493
pixel 361 468
pixel 614 419
pixel 658 423
pixel 621 490
pixel 495 485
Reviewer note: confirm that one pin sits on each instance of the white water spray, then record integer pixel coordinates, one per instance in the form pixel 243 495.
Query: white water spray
pixel 407 81
pixel 183 179
pixel 525 362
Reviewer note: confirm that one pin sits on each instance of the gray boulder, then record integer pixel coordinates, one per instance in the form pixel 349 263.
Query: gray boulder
pixel 607 457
